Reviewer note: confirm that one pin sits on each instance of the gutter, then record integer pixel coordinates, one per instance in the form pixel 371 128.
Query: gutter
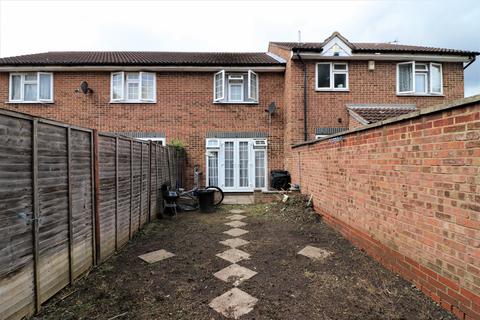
pixel 305 131
pixel 471 61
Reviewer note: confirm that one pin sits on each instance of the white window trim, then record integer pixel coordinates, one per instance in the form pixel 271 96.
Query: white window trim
pixel 332 77
pixel 320 136
pixel 441 78
pixel 162 140
pixel 22 88
pixel 222 73
pixel 124 96
pixel 429 80
pixel 242 98
pixel 250 96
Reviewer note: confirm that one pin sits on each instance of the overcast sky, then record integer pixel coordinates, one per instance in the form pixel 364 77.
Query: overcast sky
pixel 38 26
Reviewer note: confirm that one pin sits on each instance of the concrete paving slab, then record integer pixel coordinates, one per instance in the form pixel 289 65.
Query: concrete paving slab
pixel 236 217
pixel 237 211
pixel 235 242
pixel 233 303
pixel 233 255
pixel 234 274
pixel 238 199
pixel 236 224
pixel 235 232
pixel 156 256
pixel 315 253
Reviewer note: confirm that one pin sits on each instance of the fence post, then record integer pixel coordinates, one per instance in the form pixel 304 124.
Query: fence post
pixel 141 187
pixel 96 161
pixel 131 191
pixel 150 181
pixel 93 194
pixel 168 165
pixel 116 193
pixel 36 214
pixel 70 203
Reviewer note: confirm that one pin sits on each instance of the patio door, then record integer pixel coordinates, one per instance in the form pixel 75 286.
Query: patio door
pixel 235 165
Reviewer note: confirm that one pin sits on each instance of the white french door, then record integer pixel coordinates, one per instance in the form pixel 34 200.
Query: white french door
pixel 236 166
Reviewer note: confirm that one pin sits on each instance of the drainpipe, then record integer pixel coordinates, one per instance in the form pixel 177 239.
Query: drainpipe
pixel 472 61
pixel 305 131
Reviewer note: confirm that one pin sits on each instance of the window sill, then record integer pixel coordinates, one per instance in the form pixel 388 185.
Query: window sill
pixel 133 102
pixel 332 90
pixel 419 95
pixel 231 102
pixel 30 102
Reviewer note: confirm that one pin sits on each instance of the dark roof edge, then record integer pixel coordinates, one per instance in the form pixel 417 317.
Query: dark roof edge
pixel 411 115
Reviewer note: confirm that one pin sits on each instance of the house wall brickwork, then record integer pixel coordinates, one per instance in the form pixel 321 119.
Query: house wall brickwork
pixel 408 193
pixel 184 110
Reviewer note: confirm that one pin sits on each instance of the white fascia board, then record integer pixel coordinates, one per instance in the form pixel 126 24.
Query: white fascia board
pixel 143 68
pixel 388 57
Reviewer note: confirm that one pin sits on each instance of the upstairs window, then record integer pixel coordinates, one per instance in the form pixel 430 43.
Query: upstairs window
pixel 235 87
pixel 331 76
pixel 419 78
pixel 31 87
pixel 133 87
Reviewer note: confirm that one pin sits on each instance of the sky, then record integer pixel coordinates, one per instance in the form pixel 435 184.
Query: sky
pixel 239 26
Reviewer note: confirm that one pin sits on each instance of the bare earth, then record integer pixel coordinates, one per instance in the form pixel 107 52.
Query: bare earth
pixel 344 284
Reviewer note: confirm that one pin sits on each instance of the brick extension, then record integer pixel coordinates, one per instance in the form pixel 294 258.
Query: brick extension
pixel 407 191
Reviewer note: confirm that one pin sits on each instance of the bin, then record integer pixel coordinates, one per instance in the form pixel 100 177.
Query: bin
pixel 280 179
pixel 205 200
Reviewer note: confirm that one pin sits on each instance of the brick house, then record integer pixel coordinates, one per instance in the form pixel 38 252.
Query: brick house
pixel 237 113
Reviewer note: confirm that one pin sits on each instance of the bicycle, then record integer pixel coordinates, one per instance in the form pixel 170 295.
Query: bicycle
pixel 188 200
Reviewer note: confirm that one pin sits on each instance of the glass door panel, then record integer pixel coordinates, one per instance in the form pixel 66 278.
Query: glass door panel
pixel 243 163
pixel 229 164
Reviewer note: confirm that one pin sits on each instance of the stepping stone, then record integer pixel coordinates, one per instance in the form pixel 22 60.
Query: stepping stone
pixel 156 256
pixel 234 243
pixel 235 274
pixel 235 211
pixel 315 253
pixel 235 232
pixel 236 217
pixel 233 255
pixel 236 224
pixel 233 303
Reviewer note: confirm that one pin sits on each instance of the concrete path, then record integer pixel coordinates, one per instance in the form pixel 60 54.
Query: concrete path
pixel 235 302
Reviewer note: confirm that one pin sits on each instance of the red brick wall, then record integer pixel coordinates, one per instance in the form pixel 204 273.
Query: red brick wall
pixel 409 194
pixel 184 110
pixel 353 123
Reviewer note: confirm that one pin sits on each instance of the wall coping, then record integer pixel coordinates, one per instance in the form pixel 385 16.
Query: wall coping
pixel 412 115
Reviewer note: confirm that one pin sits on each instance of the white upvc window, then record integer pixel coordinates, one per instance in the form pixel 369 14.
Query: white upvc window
pixel 419 78
pixel 331 76
pixel 235 87
pixel 133 87
pixel 31 87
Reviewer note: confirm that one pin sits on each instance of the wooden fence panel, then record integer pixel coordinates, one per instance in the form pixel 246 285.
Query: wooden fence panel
pixel 53 209
pixel 16 211
pixel 107 223
pixel 82 208
pixel 66 196
pixel 124 191
pixel 145 183
pixel 136 186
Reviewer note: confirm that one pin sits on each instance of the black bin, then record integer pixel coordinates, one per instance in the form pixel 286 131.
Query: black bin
pixel 280 179
pixel 205 200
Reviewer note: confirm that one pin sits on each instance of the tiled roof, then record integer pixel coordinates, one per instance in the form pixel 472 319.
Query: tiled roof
pixel 358 47
pixel 233 135
pixel 371 113
pixel 329 131
pixel 143 58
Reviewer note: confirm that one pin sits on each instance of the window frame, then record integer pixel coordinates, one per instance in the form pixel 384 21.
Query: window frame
pixel 441 78
pixel 242 86
pixel 22 87
pixel 427 74
pixel 243 78
pixel 124 92
pixel 332 76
